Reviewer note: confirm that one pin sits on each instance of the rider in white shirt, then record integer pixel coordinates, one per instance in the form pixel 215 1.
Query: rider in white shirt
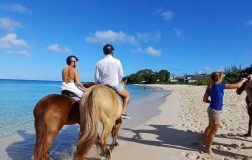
pixel 109 72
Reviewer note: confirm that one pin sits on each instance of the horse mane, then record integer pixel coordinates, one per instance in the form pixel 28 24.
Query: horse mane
pixel 88 122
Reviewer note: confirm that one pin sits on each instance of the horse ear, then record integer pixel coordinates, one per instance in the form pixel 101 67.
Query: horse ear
pixel 124 81
pixel 238 91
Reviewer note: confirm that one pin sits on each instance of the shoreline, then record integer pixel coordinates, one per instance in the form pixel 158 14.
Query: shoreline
pixel 172 132
pixel 16 145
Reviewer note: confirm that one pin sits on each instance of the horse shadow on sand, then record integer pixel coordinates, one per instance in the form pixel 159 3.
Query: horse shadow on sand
pixel 234 137
pixel 169 137
pixel 64 144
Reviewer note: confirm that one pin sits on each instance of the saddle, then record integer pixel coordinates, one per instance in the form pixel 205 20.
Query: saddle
pixel 68 93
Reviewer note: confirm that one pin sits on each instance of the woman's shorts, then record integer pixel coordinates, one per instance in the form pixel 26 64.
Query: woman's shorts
pixel 213 115
pixel 72 87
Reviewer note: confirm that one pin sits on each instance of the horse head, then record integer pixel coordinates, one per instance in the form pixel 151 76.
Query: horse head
pixel 242 88
pixel 124 82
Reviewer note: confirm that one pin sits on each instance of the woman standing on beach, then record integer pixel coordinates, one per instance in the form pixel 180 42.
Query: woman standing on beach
pixel 215 90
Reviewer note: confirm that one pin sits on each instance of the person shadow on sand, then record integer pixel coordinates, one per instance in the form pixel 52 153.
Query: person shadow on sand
pixel 186 140
pixel 166 136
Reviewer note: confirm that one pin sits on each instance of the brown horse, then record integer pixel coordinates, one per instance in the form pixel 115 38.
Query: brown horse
pixel 99 104
pixel 51 113
pixel 247 86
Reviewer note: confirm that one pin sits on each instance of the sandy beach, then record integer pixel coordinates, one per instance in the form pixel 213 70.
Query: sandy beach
pixel 172 133
pixel 176 132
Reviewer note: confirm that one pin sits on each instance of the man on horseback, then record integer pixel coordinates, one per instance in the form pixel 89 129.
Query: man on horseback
pixel 109 72
pixel 70 77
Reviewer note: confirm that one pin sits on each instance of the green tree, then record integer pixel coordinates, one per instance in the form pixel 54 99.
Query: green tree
pixel 135 79
pixel 164 76
pixel 148 76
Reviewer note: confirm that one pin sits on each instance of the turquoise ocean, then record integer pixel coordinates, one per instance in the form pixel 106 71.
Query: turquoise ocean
pixel 18 98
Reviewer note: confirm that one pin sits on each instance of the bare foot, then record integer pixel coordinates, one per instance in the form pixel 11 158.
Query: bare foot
pixel 208 151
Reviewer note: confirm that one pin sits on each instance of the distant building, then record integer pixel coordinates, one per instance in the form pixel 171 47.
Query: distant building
pixel 188 78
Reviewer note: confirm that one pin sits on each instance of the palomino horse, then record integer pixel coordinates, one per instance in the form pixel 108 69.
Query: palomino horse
pixel 99 104
pixel 51 113
pixel 247 86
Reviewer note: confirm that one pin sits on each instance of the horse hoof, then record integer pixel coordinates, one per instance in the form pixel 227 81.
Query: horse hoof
pixel 106 158
pixel 111 148
pixel 116 144
pixel 247 135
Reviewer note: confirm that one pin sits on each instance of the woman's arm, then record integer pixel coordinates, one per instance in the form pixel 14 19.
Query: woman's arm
pixel 236 85
pixel 77 81
pixel 206 96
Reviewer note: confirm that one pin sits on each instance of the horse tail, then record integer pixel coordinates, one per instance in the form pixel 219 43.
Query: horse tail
pixel 40 151
pixel 88 122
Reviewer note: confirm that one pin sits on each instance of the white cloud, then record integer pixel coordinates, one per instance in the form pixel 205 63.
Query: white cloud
pixel 8 24
pixel 10 41
pixel 209 70
pixel 146 37
pixel 158 11
pixel 24 53
pixel 111 36
pixel 167 15
pixel 16 7
pixel 57 48
pixel 138 50
pixel 179 33
pixel 249 23
pixel 149 50
pixel 152 51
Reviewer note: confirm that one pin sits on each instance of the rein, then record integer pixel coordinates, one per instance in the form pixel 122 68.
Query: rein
pixel 249 105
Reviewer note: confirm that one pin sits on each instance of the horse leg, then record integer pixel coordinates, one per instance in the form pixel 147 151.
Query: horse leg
pixel 115 132
pixel 107 128
pixel 53 127
pixel 98 143
pixel 250 122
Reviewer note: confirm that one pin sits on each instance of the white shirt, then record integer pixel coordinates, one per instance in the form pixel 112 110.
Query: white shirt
pixel 108 71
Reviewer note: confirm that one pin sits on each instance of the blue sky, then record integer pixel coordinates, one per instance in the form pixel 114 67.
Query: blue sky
pixel 182 36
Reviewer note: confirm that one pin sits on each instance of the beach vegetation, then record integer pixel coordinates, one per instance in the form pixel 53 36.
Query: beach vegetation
pixel 148 76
